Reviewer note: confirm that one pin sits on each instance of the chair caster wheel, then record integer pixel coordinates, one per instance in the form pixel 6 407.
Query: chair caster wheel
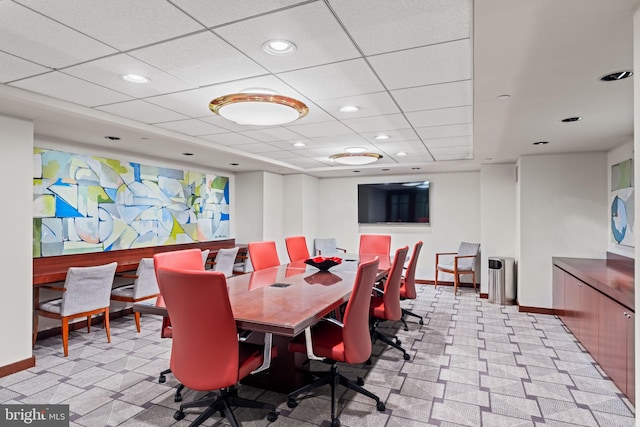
pixel 291 403
pixel 178 415
pixel 406 356
pixel 272 416
pixel 335 422
pixel 221 413
pixel 421 322
pixel 406 328
pixel 177 397
pixel 162 379
pixel 380 406
pixel 368 362
pixel 398 342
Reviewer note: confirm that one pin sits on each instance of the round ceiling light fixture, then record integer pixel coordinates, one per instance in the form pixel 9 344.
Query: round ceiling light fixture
pixel 618 75
pixel 278 47
pixel 355 159
pixel 258 107
pixel 135 78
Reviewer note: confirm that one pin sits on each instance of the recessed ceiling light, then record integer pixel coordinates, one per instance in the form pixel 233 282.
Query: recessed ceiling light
pixel 540 142
pixel 571 119
pixel 385 170
pixel 415 169
pixel 488 158
pixel 349 109
pixel 401 154
pixel 356 171
pixel 618 75
pixel 355 150
pixel 113 138
pixel 234 164
pixel 299 144
pixel 135 78
pixel 187 154
pixel 381 137
pixel 278 47
pixel 503 97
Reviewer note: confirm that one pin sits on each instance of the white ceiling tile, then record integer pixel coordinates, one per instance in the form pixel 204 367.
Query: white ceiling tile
pixel 412 159
pixel 230 139
pixel 14 68
pixel 394 136
pixel 142 111
pixel 378 123
pixel 346 78
pixel 445 116
pixel 341 140
pixel 280 155
pixel 276 133
pixel 332 149
pixel 456 143
pixel 122 24
pixel 455 94
pixel 202 59
pixel 216 12
pixel 373 104
pixel 303 162
pixel 288 145
pixel 31 36
pixel 378 27
pixel 445 131
pixel 193 127
pixel 318 36
pixel 409 147
pixel 314 130
pixel 260 147
pixel 108 71
pixel 70 89
pixel 441 63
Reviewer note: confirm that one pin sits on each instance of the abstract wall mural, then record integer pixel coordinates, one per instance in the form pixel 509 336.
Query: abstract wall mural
pixel 621 202
pixel 91 204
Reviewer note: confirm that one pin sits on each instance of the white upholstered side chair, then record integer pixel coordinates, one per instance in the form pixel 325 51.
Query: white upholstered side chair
pixel 326 246
pixel 458 263
pixel 205 257
pixel 225 260
pixel 86 292
pixel 145 286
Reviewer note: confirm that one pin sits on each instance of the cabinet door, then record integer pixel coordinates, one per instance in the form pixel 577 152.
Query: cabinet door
pixel 612 341
pixel 631 358
pixel 588 299
pixel 558 291
pixel 571 308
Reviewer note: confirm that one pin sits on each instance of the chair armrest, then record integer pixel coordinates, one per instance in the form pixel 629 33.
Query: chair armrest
pixel 334 321
pixel 342 249
pixel 127 276
pixel 309 344
pixel 380 291
pixel 266 353
pixel 211 263
pixel 466 256
pixel 244 335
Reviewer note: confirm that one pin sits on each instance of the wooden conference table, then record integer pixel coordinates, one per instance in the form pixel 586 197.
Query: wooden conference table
pixel 284 301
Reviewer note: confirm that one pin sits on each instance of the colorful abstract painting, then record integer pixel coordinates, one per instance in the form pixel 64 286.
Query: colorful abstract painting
pixel 621 203
pixel 91 204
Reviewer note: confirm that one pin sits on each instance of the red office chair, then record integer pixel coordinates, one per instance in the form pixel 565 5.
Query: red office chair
pixel 205 353
pixel 376 244
pixel 387 306
pixel 297 248
pixel 263 255
pixel 408 285
pixel 188 259
pixel 347 342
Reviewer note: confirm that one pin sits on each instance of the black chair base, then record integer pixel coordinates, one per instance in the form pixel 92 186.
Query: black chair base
pixel 333 378
pixel 162 379
pixel 406 312
pixel 387 339
pixel 222 403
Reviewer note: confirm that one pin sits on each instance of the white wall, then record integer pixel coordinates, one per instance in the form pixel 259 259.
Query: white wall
pixel 497 214
pixel 455 215
pixel 273 212
pixel 614 156
pixel 563 212
pixel 300 214
pixel 16 142
pixel 249 206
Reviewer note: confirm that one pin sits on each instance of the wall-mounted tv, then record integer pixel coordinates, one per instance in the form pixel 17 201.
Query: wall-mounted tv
pixel 394 203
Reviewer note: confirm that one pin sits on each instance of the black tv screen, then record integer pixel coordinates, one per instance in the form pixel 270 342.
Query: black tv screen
pixel 397 203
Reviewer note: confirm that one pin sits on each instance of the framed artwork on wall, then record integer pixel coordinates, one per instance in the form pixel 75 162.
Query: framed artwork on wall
pixel 621 203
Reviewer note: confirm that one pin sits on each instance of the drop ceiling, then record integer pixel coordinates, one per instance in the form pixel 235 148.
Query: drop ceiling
pixel 424 72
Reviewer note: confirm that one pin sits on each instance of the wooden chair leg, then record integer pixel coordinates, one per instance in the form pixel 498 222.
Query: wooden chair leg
pixel 65 336
pixel 88 324
pixel 35 328
pixel 456 279
pixel 473 274
pixel 137 316
pixel 435 282
pixel 106 324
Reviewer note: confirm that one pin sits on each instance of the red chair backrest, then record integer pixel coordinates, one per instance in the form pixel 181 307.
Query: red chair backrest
pixel 375 244
pixel 391 297
pixel 204 351
pixel 409 280
pixel 355 334
pixel 297 248
pixel 263 255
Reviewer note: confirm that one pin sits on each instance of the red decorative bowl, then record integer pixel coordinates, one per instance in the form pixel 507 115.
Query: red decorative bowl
pixel 322 263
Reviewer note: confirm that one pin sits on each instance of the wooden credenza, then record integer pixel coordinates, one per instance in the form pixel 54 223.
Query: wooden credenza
pixel 595 300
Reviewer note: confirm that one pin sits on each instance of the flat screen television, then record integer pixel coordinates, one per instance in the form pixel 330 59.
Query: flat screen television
pixel 394 203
